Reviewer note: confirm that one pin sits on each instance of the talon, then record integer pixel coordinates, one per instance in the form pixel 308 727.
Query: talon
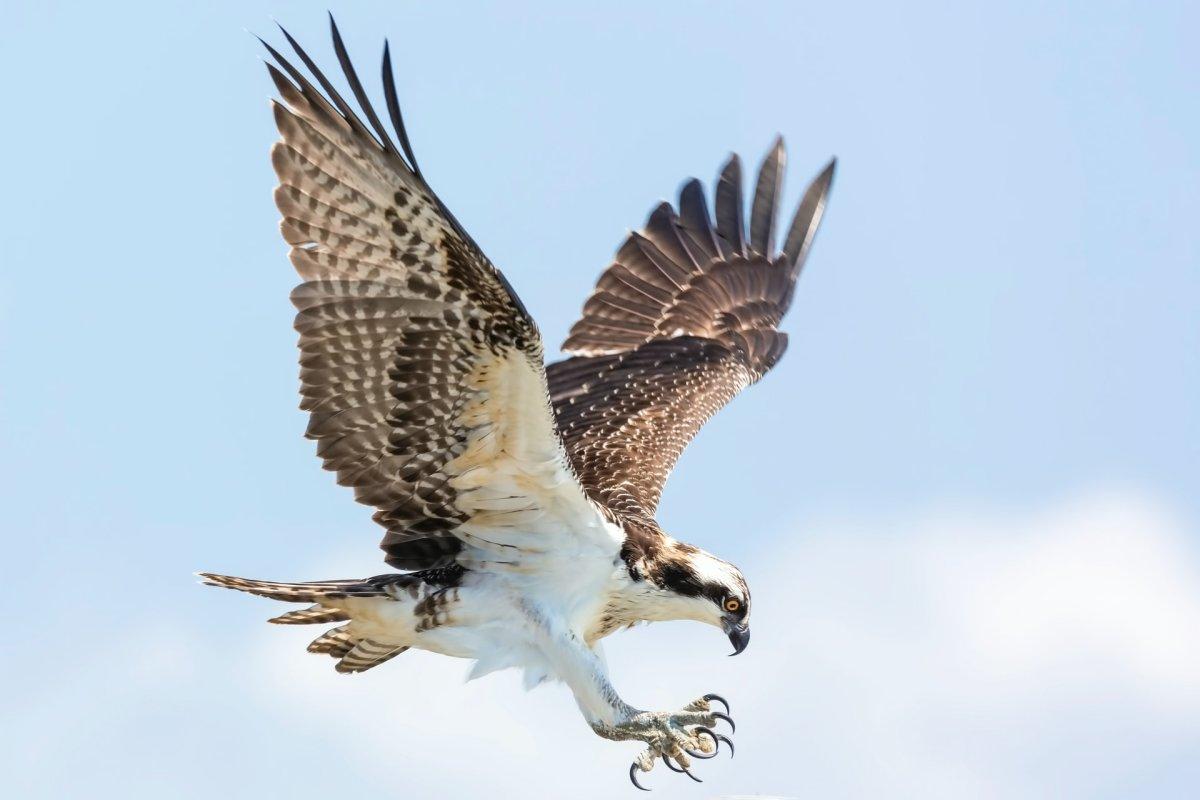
pixel 633 776
pixel 719 699
pixel 696 754
pixel 726 740
pixel 727 718
pixel 681 769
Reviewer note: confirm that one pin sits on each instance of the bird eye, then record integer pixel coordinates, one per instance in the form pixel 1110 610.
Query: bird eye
pixel 732 604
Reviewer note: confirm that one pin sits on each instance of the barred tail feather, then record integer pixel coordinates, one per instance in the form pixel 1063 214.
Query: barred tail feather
pixel 366 654
pixel 310 616
pixel 336 642
pixel 313 592
pixel 354 654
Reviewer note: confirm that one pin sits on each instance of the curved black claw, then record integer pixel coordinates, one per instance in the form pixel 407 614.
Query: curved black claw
pixel 722 738
pixel 680 769
pixel 696 753
pixel 633 768
pixel 719 699
pixel 727 718
pixel 717 739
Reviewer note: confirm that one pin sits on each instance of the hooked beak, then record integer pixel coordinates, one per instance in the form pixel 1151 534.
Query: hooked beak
pixel 739 637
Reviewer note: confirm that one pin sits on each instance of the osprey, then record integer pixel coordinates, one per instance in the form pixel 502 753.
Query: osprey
pixel 518 497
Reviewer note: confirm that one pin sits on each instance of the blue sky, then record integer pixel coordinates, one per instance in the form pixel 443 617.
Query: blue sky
pixel 967 501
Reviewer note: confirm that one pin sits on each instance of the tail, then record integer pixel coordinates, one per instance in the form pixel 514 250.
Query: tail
pixel 354 653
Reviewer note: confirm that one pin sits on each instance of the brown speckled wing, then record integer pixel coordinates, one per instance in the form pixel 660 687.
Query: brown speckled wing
pixel 420 368
pixel 684 319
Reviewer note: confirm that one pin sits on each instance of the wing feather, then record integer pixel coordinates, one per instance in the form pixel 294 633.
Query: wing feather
pixel 766 200
pixel 730 224
pixel 685 319
pixel 808 218
pixel 420 368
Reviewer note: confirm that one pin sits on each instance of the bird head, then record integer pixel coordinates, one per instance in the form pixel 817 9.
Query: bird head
pixel 693 584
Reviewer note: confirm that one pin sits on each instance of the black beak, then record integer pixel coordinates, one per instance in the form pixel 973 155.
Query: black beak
pixel 739 637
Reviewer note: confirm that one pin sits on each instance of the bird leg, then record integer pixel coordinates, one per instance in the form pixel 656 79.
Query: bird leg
pixel 675 737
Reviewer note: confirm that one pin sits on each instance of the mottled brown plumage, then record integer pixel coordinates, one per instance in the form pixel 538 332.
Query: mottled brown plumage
pixel 401 319
pixel 684 319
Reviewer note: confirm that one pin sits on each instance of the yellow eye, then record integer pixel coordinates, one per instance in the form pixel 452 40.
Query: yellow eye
pixel 732 604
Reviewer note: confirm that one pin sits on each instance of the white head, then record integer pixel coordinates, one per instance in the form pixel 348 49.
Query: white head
pixel 686 582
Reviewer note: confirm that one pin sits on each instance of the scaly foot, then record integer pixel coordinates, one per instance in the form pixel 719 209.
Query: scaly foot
pixel 676 738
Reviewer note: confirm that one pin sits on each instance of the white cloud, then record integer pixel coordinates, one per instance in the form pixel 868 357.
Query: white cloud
pixel 967 653
pixel 976 653
pixel 1106 584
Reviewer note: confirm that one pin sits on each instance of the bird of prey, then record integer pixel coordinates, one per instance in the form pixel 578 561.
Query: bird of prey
pixel 518 497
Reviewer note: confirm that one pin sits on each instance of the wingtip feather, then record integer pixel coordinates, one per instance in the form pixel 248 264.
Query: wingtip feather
pixel 393 107
pixel 808 217
pixel 731 225
pixel 767 190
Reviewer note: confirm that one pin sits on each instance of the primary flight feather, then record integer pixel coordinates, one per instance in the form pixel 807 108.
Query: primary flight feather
pixel 517 498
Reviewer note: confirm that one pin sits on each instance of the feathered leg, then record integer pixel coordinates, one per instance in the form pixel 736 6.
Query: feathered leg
pixel 679 736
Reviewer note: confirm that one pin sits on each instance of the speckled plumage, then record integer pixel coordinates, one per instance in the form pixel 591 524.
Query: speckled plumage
pixel 684 319
pixel 521 496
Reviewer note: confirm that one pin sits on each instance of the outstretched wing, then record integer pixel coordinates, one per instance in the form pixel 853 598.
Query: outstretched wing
pixel 684 319
pixel 420 368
